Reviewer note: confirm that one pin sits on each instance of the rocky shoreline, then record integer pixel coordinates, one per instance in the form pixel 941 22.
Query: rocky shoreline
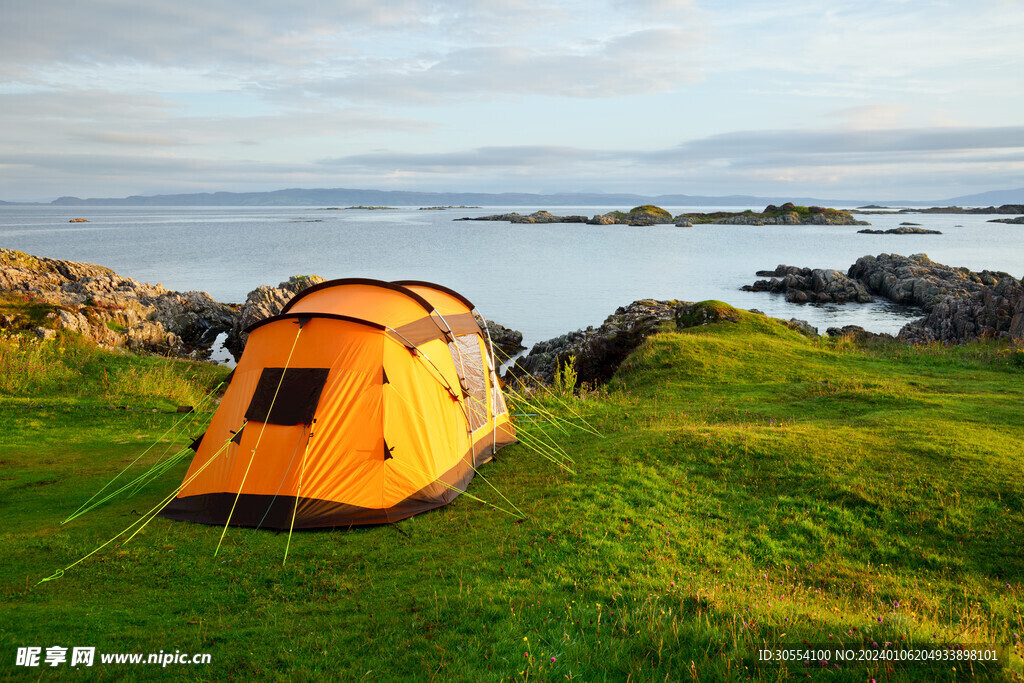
pixel 959 305
pixel 117 311
pixel 598 352
pixel 109 309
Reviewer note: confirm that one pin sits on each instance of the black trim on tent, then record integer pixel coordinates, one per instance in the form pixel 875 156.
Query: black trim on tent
pixel 358 281
pixel 275 512
pixel 309 316
pixel 195 442
pixel 287 396
pixel 237 438
pixel 440 288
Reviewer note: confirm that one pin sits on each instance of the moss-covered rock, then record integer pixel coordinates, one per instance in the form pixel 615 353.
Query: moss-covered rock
pixel 787 214
pixel 599 352
pixel 650 210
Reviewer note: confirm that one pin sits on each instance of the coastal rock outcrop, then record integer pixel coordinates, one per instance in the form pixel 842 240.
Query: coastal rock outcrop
pixel 958 304
pixel 916 280
pixel 598 352
pixel 507 342
pixel 264 302
pixel 806 285
pixel 648 214
pixel 787 214
pixel 535 217
pixel 859 334
pixel 902 230
pixel 990 311
pixel 115 310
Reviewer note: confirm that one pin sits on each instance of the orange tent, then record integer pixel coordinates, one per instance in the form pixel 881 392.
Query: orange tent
pixel 363 402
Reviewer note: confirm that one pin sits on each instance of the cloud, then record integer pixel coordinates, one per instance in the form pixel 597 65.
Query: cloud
pixel 872 116
pixel 469 160
pixel 753 145
pixel 91 120
pixel 479 92
pixel 746 149
pixel 132 139
pixel 396 52
pixel 642 61
pixel 196 32
pixel 742 159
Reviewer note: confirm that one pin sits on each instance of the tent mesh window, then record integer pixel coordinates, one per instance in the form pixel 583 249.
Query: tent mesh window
pixel 287 397
pixel 470 364
pixel 498 407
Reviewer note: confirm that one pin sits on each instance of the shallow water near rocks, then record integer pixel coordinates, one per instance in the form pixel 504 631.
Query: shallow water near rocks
pixel 544 280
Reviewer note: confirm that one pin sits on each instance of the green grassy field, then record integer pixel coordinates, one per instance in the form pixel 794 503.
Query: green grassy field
pixel 751 488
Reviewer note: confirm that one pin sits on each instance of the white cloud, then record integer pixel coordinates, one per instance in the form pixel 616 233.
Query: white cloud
pixel 477 91
pixel 650 60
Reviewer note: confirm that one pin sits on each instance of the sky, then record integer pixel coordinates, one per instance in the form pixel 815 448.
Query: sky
pixel 872 99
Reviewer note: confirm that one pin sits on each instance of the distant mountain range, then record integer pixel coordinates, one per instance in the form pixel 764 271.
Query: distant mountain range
pixel 350 197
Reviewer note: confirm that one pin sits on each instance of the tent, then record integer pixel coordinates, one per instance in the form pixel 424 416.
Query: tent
pixel 363 402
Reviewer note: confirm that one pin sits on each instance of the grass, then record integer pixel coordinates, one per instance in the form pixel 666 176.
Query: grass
pixel 752 487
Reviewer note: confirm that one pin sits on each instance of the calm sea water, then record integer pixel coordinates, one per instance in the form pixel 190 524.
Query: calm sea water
pixel 542 279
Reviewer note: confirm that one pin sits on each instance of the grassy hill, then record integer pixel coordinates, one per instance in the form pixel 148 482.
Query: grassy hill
pixel 752 487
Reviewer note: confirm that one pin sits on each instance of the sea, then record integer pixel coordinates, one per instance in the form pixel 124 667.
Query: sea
pixel 544 280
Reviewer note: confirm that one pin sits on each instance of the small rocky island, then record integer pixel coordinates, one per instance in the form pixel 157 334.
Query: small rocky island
pixel 902 230
pixel 882 210
pixel 648 214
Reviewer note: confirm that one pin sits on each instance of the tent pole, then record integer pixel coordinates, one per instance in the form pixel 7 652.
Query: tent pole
pixel 494 386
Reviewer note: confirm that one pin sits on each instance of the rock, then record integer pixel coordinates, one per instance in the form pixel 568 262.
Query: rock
pixel 603 219
pixel 261 303
pixel 507 342
pixel 684 224
pixel 787 214
pixel 859 334
pixel 917 280
pixel 802 326
pixel 639 215
pixel 806 285
pixel 600 351
pixel 1019 220
pixel 991 312
pixel 113 310
pixel 648 214
pixel 904 230
pixel 535 217
pixel 1005 208
pixel 959 305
